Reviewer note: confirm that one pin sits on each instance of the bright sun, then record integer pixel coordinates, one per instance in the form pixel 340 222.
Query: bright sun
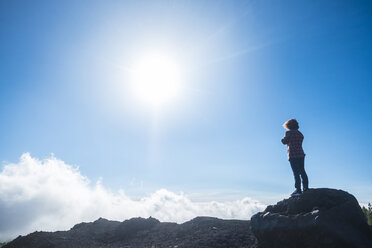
pixel 156 80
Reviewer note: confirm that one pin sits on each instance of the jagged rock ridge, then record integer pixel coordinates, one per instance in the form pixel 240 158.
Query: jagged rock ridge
pixel 139 232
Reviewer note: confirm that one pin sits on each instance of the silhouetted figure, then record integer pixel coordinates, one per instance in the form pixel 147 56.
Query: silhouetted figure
pixel 296 156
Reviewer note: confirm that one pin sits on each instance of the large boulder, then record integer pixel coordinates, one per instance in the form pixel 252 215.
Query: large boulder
pixel 318 218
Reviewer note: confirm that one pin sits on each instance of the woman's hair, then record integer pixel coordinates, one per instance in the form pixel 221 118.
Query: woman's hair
pixel 291 124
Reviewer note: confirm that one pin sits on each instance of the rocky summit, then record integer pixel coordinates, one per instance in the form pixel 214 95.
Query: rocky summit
pixel 318 218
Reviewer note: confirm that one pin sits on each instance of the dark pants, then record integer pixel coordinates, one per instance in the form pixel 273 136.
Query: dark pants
pixel 298 169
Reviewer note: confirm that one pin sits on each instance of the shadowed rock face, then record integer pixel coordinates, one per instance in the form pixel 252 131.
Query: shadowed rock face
pixel 318 218
pixel 139 232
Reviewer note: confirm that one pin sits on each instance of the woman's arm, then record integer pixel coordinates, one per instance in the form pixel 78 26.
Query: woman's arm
pixel 285 140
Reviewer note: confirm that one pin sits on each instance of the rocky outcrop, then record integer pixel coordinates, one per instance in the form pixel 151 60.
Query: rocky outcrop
pixel 318 218
pixel 138 232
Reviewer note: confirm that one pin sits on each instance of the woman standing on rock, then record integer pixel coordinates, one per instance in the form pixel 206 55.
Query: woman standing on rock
pixel 296 156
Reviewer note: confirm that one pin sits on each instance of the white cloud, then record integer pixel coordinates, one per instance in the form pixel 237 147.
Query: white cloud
pixel 50 195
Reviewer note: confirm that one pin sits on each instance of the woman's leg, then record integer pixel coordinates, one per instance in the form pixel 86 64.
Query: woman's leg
pixel 302 172
pixel 295 168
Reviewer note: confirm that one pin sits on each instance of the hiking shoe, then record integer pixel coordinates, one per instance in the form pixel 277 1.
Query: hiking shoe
pixel 305 189
pixel 296 193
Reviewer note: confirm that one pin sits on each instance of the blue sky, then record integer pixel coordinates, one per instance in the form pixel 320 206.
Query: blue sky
pixel 247 67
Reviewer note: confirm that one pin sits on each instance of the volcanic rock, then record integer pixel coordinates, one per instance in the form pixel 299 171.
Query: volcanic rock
pixel 200 232
pixel 318 218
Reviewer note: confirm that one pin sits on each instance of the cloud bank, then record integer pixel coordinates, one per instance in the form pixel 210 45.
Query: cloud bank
pixel 51 195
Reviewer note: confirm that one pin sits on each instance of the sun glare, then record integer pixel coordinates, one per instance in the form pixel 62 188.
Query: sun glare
pixel 156 80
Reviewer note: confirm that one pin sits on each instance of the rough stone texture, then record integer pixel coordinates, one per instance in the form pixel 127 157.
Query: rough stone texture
pixel 318 218
pixel 138 232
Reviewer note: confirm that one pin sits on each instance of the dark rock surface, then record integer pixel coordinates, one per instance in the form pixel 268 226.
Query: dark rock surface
pixel 318 218
pixel 138 232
